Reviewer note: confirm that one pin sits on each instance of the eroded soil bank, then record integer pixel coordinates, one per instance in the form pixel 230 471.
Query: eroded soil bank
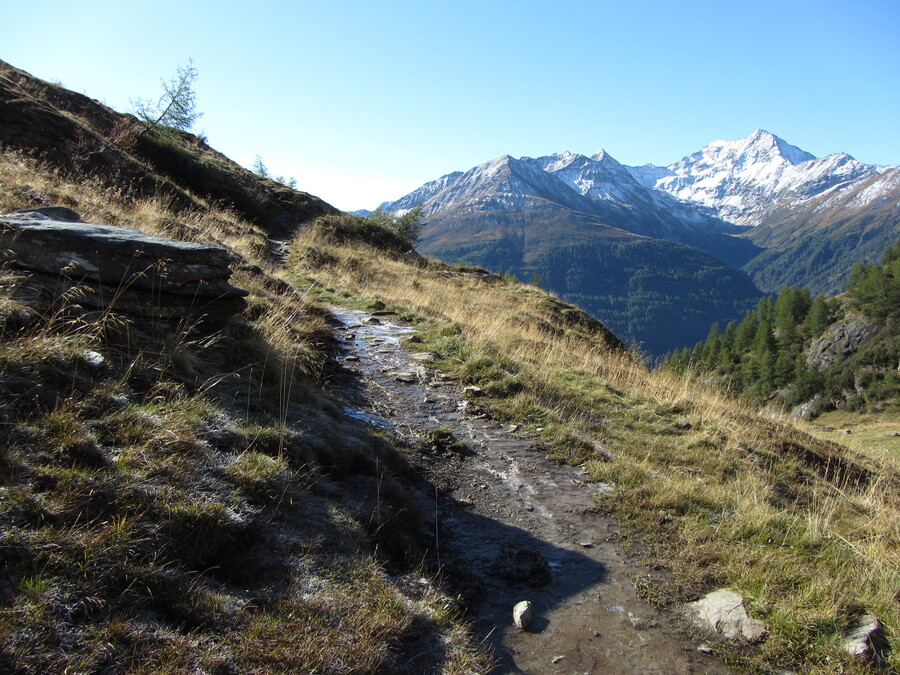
pixel 512 525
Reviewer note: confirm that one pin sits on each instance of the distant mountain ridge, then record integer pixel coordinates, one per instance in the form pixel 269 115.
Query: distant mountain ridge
pixel 758 205
pixel 739 182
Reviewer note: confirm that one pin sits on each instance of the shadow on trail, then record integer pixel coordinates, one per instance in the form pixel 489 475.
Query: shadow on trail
pixel 495 565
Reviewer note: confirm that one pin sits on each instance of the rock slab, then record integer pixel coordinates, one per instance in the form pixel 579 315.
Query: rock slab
pixel 109 267
pixel 723 613
pixel 841 341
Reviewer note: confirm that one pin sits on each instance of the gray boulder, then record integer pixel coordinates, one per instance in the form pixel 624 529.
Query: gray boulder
pixel 523 615
pixel 100 267
pixel 867 641
pixel 809 410
pixel 723 613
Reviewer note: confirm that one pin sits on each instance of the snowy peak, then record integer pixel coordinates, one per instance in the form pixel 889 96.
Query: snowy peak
pixel 759 154
pixel 504 184
pixel 744 180
pixel 559 161
pixel 600 178
pixel 764 146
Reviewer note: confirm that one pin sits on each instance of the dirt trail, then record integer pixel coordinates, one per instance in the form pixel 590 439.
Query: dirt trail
pixel 506 511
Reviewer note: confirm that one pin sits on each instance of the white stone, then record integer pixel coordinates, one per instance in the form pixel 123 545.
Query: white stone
pixel 93 358
pixel 865 637
pixel 523 615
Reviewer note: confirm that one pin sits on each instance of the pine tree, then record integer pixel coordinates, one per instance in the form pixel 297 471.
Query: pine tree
pixel 817 318
pixel 875 289
pixel 764 340
pixel 766 308
pixel 745 332
pixel 784 367
pixel 728 338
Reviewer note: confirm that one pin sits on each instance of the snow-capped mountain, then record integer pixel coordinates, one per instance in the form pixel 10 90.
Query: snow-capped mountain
pixel 741 182
pixel 597 186
pixel 807 218
pixel 504 184
pixel 659 253
pixel 612 186
pixel 746 180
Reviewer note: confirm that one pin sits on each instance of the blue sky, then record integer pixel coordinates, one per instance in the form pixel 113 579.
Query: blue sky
pixel 365 101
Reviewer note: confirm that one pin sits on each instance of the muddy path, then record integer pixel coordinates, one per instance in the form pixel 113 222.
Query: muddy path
pixel 513 525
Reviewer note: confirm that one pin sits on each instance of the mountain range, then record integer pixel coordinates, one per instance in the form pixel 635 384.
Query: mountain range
pixel 659 253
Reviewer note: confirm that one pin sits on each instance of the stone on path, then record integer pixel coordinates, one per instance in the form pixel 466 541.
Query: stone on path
pixel 523 615
pixel 867 641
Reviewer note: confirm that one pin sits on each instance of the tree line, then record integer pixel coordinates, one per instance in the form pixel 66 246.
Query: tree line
pixel 765 355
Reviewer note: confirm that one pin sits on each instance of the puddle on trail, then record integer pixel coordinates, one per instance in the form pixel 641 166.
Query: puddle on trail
pixel 514 525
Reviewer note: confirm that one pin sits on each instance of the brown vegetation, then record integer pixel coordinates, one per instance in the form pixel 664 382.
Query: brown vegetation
pixel 174 499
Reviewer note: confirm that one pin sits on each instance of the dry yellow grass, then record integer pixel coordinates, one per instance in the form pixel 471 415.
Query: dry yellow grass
pixel 723 495
pixel 809 531
pixel 869 434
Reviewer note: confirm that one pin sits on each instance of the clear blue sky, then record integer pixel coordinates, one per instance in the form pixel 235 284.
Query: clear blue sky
pixel 363 101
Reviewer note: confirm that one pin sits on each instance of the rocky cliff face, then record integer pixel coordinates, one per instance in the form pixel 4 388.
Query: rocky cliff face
pixel 841 341
pixel 107 268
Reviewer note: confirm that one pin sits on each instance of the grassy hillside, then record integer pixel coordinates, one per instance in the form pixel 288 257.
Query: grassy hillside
pixel 81 137
pixel 194 501
pixel 716 494
pixel 175 500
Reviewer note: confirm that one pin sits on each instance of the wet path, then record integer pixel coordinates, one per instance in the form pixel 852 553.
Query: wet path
pixel 514 525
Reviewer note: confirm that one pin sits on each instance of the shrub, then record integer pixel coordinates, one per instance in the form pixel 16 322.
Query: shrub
pixel 380 234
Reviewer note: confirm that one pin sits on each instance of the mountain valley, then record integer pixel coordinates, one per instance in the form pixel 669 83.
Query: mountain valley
pixel 757 206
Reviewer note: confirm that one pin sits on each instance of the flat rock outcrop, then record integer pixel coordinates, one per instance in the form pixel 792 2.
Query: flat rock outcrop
pixel 103 267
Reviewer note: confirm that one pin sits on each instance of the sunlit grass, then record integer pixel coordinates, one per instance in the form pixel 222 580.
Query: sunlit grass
pixel 721 494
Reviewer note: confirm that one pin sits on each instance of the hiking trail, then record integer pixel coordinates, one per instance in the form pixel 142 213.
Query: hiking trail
pixel 512 524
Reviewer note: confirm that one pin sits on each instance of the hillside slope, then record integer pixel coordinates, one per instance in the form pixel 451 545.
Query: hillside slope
pixel 177 497
pixel 81 136
pixel 718 494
